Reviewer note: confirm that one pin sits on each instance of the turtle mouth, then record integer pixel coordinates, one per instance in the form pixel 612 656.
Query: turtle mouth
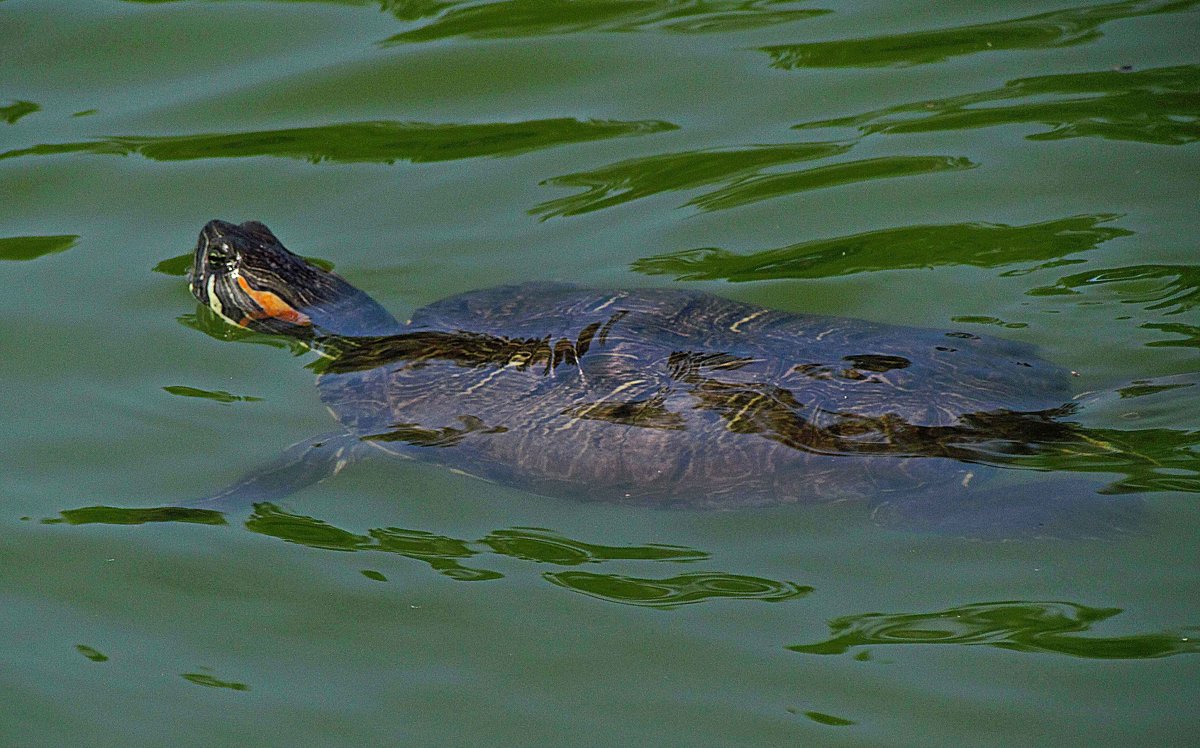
pixel 214 290
pixel 214 273
pixel 203 276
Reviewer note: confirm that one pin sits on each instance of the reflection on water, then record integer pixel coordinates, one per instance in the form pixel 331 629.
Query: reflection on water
pixel 548 547
pixel 402 9
pixel 531 544
pixel 33 247
pixel 1167 290
pixel 16 110
pixel 206 321
pixel 445 554
pixel 517 18
pixel 1189 335
pixel 977 244
pixel 740 171
pixel 983 319
pixel 382 142
pixel 1144 387
pixel 1155 459
pixel 111 515
pixel 638 178
pixel 1048 627
pixel 405 10
pixel 91 653
pixel 211 681
pixel 1160 106
pixel 1170 289
pixel 220 396
pixel 675 591
pixel 441 553
pixel 768 186
pixel 828 719
pixel 1060 28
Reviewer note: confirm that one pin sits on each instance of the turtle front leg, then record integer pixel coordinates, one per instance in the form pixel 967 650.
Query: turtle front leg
pixel 301 465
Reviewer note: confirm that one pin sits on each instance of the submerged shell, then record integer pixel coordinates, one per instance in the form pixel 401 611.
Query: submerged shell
pixel 668 396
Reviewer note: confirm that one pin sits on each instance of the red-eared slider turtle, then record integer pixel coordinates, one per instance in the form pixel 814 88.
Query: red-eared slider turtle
pixel 652 396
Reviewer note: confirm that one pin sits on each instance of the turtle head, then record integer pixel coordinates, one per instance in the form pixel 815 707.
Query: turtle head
pixel 246 275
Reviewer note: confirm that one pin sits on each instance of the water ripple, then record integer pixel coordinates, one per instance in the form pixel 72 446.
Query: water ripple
pixel 220 396
pixel 33 247
pixel 672 592
pixel 1171 289
pixel 903 247
pixel 1060 28
pixel 1167 289
pixel 383 142
pixel 769 186
pixel 1159 106
pixel 643 177
pixel 445 554
pixel 16 110
pixel 522 18
pixel 1020 626
pixel 545 546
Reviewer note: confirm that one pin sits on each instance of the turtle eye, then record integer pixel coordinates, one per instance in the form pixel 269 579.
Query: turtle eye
pixel 220 257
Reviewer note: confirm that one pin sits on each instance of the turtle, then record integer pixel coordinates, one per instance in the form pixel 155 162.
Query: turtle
pixel 664 397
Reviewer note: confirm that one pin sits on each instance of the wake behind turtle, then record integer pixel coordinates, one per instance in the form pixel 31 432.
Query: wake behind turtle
pixel 656 396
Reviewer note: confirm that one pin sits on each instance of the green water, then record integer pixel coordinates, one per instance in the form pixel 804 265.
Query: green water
pixel 1023 169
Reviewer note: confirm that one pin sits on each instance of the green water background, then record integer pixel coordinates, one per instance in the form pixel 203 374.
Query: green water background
pixel 1015 168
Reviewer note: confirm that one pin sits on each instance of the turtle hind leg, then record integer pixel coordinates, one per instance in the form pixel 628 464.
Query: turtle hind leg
pixel 301 465
pixel 1059 508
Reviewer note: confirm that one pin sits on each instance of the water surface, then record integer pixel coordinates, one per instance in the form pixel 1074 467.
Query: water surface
pixel 1021 169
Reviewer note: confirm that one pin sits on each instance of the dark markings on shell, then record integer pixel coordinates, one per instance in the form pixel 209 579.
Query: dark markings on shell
pixel 667 396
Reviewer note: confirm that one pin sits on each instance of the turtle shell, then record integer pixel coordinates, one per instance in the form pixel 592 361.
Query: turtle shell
pixel 667 396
